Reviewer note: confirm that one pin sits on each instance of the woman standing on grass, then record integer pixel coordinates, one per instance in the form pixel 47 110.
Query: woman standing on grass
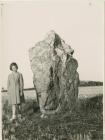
pixel 15 86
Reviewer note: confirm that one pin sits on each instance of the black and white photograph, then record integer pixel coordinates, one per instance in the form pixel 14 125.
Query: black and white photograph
pixel 52 69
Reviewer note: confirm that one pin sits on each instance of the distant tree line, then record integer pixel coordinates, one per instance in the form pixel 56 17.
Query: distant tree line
pixel 90 83
pixel 82 84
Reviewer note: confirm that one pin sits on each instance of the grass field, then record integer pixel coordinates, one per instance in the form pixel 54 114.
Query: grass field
pixel 84 123
pixel 84 92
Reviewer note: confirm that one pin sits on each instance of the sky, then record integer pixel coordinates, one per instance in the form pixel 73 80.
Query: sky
pixel 79 22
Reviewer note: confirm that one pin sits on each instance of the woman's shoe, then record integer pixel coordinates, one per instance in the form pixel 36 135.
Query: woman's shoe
pixel 45 116
pixel 13 118
pixel 42 116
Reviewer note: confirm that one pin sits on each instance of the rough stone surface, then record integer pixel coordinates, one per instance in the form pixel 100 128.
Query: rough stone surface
pixel 55 76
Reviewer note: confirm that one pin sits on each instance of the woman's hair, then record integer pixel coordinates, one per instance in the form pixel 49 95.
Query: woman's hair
pixel 13 64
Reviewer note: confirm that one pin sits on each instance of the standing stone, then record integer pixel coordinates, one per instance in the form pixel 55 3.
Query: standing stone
pixel 70 93
pixel 48 59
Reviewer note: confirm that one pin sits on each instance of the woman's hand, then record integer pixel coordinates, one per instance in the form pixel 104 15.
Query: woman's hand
pixel 21 92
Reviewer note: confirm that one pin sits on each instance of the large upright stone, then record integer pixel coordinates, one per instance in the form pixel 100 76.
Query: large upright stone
pixel 48 61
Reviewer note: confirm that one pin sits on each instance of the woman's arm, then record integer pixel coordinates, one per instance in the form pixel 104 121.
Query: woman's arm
pixel 21 82
pixel 8 84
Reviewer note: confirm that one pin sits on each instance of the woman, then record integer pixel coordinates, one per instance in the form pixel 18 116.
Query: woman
pixel 15 86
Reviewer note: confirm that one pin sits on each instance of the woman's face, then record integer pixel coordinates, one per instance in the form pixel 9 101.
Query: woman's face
pixel 14 68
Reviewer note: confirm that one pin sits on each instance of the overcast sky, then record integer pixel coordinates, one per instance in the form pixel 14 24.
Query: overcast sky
pixel 79 22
